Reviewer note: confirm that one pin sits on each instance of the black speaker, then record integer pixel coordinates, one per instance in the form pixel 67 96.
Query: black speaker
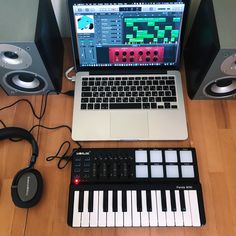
pixel 31 47
pixel 210 51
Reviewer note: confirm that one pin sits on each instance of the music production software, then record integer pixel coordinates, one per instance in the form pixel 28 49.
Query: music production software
pixel 128 34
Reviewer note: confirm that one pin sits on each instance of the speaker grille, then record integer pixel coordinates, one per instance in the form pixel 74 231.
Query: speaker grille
pixel 14 58
pixel 220 88
pixel 24 81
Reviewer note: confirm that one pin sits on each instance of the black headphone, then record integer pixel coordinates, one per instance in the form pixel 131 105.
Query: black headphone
pixel 27 185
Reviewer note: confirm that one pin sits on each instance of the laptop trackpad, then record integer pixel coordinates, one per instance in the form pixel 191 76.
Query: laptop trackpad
pixel 129 125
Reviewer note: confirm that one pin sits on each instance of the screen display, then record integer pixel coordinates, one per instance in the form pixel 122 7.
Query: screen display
pixel 131 34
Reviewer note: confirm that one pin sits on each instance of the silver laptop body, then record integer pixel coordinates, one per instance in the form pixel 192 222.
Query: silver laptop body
pixel 108 39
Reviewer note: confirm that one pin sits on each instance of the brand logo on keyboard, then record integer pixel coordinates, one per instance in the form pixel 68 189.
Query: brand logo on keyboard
pixel 184 187
pixel 83 153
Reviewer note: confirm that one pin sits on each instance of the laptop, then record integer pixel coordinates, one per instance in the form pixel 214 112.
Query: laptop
pixel 127 57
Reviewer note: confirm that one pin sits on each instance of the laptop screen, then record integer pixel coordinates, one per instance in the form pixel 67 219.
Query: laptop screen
pixel 127 34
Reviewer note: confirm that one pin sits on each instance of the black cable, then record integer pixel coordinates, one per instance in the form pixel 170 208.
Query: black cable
pixel 39 117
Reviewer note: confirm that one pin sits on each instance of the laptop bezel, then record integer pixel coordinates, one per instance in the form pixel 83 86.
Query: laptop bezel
pixel 126 69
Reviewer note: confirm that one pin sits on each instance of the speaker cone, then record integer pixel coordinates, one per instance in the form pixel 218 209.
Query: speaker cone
pixel 229 65
pixel 14 58
pixel 223 87
pixel 24 81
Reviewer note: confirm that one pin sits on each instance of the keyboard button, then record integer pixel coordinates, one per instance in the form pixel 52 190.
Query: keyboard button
pixel 160 212
pixel 81 201
pixel 90 203
pixel 178 213
pixel 182 200
pixel 194 208
pixel 105 200
pixel 170 220
pixel 187 214
pixel 119 216
pixel 85 213
pixel 125 106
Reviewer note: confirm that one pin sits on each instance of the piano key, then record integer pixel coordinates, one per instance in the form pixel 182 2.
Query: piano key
pixel 163 200
pixel 81 201
pixel 149 201
pixel 135 212
pixel 182 201
pixel 102 216
pixel 178 213
pixel 172 200
pixel 85 213
pixel 144 212
pixel 94 213
pixel 153 214
pixel 110 213
pixel 124 200
pixel 194 208
pixel 161 214
pixel 128 213
pixel 105 200
pixel 90 203
pixel 119 214
pixel 139 201
pixel 114 201
pixel 187 212
pixel 170 220
pixel 76 214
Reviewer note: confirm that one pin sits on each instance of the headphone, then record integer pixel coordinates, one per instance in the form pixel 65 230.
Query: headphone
pixel 27 185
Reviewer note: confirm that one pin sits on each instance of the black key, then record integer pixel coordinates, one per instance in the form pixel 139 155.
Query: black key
pixel 86 88
pixel 153 105
pixel 114 201
pixel 149 200
pixel 105 200
pixel 139 201
pixel 172 200
pixel 81 201
pixel 86 94
pixel 124 201
pixel 125 106
pixel 169 99
pixel 182 200
pixel 90 202
pixel 163 200
pixel 83 106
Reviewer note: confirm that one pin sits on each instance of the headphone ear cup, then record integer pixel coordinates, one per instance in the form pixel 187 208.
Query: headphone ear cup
pixel 27 188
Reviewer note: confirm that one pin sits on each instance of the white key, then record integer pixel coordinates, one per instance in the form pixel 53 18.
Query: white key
pixel 194 208
pixel 187 213
pixel 94 214
pixel 144 213
pixel 102 216
pixel 153 213
pixel 170 219
pixel 128 213
pixel 161 214
pixel 119 213
pixel 85 213
pixel 76 213
pixel 178 214
pixel 110 213
pixel 135 213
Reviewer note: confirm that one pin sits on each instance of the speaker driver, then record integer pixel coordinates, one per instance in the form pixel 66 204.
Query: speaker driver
pixel 229 65
pixel 223 87
pixel 25 82
pixel 14 58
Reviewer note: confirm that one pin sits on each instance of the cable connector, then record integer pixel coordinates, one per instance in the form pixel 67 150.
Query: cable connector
pixel 68 72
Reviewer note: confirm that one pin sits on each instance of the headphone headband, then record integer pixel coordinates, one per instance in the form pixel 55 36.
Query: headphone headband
pixel 15 132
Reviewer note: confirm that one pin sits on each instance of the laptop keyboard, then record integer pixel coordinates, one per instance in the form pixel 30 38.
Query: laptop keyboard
pixel 128 92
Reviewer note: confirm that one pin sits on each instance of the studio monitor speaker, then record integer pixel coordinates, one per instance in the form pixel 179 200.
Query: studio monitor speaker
pixel 31 48
pixel 210 51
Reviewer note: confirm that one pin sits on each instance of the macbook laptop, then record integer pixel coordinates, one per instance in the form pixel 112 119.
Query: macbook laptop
pixel 127 58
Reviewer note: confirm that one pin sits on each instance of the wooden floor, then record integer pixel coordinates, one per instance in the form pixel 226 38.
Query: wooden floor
pixel 212 131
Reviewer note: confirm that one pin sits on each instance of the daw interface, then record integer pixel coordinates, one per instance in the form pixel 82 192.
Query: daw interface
pixel 111 34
